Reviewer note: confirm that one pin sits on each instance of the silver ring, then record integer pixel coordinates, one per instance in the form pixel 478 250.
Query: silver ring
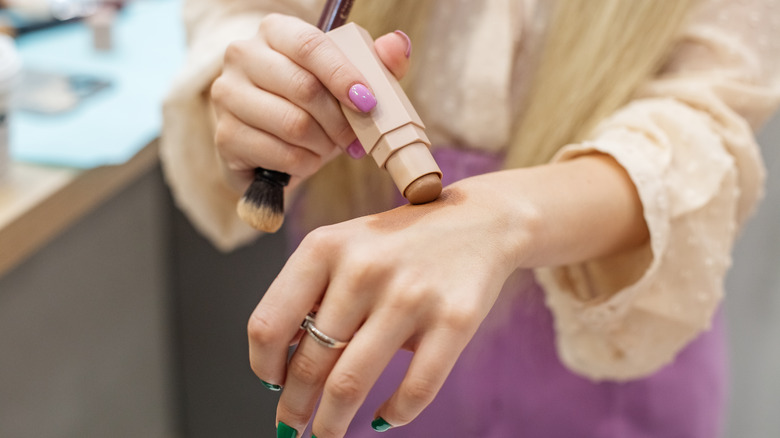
pixel 320 337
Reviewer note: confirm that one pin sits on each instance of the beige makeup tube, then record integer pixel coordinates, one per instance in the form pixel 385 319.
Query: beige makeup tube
pixel 392 133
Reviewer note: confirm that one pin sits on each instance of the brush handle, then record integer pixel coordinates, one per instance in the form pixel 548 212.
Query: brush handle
pixel 334 14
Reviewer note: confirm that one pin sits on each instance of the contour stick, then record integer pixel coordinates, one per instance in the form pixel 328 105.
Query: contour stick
pixel 392 133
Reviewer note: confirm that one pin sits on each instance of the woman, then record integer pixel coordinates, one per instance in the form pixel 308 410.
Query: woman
pixel 575 292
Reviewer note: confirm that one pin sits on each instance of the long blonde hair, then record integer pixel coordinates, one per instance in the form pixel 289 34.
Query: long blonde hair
pixel 596 54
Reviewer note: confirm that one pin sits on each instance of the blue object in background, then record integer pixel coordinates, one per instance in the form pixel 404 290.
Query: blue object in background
pixel 114 124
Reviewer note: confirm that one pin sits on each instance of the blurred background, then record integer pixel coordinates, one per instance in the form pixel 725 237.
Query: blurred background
pixel 116 318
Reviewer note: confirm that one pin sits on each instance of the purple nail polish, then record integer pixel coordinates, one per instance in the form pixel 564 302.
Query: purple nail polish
pixel 355 150
pixel 403 35
pixel 361 96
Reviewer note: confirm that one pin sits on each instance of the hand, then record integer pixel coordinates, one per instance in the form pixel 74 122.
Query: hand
pixel 420 278
pixel 277 99
pixel 423 278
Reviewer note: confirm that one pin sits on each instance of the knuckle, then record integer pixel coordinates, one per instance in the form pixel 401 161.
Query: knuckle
pixel 295 160
pixel 418 392
pixel 345 388
pixel 267 22
pixel 320 240
pixel 340 72
pixel 295 125
pixel 322 243
pixel 271 23
pixel 306 87
pixel 310 41
pixel 459 319
pixel 365 269
pixel 261 331
pixel 235 165
pixel 219 90
pixel 344 134
pixel 410 298
pixel 223 135
pixel 234 52
pixel 304 369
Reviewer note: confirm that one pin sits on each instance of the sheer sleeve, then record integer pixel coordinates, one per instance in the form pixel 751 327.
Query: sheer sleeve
pixel 189 159
pixel 687 141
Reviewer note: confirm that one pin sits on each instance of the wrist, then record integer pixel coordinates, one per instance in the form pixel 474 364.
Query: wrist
pixel 512 222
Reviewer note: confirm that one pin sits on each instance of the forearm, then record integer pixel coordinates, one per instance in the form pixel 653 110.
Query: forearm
pixel 565 212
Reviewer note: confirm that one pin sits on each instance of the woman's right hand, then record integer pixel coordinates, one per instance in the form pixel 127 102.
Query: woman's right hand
pixel 277 99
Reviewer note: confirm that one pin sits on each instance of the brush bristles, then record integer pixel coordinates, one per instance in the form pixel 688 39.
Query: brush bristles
pixel 262 206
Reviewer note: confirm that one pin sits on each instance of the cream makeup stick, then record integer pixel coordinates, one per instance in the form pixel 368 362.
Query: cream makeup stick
pixel 392 133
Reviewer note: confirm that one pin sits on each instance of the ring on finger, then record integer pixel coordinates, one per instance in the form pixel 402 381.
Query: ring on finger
pixel 320 337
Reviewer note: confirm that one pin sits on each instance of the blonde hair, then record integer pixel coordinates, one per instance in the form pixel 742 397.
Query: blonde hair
pixel 596 54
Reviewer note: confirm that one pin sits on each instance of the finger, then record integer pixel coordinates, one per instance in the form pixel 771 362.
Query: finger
pixel 244 148
pixel 274 72
pixel 395 49
pixel 358 369
pixel 277 318
pixel 271 113
pixel 430 366
pixel 339 316
pixel 308 47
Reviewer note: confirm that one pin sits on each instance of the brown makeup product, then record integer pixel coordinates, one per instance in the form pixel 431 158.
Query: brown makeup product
pixel 392 133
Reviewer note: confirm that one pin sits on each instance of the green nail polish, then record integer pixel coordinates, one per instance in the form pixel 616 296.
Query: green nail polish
pixel 271 386
pixel 380 425
pixel 285 431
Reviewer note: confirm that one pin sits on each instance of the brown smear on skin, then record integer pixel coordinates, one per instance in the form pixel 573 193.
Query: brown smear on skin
pixel 403 217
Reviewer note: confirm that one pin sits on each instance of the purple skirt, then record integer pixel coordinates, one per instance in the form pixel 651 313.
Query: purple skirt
pixel 509 381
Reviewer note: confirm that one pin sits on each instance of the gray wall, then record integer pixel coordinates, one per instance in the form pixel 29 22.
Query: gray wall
pixel 753 310
pixel 85 339
pixel 129 324
pixel 214 295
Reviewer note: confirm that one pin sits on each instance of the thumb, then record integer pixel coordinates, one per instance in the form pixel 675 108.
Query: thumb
pixel 394 50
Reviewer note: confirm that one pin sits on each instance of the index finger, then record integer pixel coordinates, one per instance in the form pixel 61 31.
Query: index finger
pixel 308 47
pixel 277 318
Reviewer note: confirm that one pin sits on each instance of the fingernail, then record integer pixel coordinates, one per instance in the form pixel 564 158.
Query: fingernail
pixel 271 386
pixel 285 431
pixel 403 35
pixel 355 150
pixel 380 425
pixel 361 96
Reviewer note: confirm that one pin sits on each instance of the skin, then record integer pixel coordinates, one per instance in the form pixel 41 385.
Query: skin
pixel 381 281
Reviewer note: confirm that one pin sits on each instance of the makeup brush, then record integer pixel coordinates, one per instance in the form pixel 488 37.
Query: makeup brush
pixel 262 205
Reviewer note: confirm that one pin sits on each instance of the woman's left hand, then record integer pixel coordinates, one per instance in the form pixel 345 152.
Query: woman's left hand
pixel 423 278
pixel 420 278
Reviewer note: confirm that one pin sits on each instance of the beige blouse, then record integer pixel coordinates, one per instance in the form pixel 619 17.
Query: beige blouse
pixel 687 142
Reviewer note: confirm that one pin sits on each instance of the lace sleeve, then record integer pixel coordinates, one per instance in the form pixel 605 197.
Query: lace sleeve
pixel 687 142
